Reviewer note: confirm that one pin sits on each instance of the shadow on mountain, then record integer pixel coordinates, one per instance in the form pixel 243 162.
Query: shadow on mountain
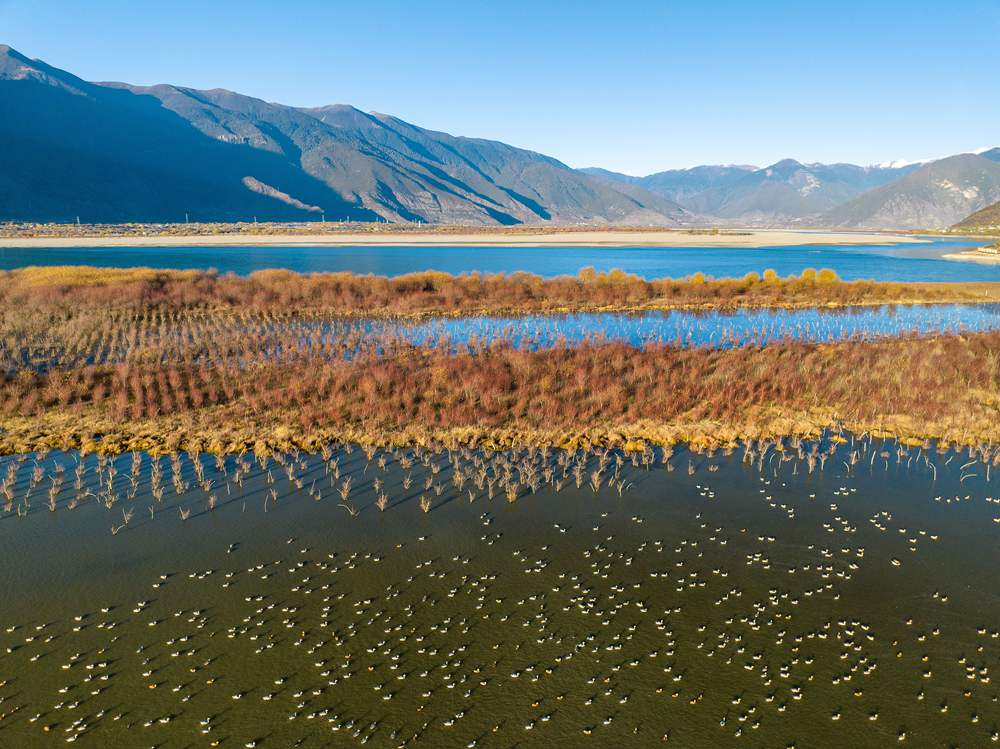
pixel 112 152
pixel 110 155
pixel 528 203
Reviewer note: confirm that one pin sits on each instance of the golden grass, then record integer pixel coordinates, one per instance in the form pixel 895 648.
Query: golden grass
pixel 69 276
pixel 80 288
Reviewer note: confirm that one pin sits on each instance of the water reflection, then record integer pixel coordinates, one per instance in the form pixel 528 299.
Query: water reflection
pixel 211 338
pixel 722 329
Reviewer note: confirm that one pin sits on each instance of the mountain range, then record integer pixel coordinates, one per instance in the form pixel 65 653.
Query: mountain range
pixel 111 152
pixel 933 194
pixel 114 152
pixel 936 195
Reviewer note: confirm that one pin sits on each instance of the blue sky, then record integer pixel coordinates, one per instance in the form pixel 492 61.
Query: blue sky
pixel 633 86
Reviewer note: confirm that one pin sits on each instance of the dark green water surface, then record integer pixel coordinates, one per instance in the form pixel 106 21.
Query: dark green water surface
pixel 720 603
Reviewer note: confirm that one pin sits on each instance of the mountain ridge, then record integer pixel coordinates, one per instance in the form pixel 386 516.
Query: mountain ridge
pixel 117 152
pixel 787 191
pixel 935 196
pixel 983 219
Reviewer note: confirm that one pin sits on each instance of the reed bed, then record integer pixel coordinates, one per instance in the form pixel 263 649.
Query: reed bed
pixel 74 317
pixel 161 361
pixel 73 287
pixel 495 395
pixel 361 477
pixel 39 339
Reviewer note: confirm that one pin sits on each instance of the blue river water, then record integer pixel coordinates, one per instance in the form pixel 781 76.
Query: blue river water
pixel 911 262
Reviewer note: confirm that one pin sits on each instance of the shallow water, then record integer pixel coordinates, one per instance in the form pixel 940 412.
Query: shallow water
pixel 758 598
pixel 730 328
pixel 878 262
pixel 337 337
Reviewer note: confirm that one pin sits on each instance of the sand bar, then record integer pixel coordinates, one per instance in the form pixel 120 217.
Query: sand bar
pixel 984 255
pixel 582 238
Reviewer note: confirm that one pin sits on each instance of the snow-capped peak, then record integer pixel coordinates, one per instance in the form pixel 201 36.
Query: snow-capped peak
pixel 900 163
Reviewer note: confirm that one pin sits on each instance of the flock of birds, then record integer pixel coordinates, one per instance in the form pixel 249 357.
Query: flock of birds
pixel 781 594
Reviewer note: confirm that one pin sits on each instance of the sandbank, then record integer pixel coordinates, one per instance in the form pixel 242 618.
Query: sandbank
pixel 474 238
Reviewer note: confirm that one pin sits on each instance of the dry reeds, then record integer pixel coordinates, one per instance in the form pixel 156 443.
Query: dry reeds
pixel 923 385
pixel 80 288
pixel 164 361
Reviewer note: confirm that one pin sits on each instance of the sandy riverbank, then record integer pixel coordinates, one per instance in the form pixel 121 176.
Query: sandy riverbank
pixel 984 255
pixel 583 238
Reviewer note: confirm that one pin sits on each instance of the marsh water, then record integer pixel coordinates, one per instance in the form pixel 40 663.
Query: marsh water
pixel 711 328
pixel 293 334
pixel 903 262
pixel 818 595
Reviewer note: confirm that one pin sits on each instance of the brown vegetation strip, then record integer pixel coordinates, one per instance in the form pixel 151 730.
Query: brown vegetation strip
pixel 915 388
pixel 75 288
pixel 312 228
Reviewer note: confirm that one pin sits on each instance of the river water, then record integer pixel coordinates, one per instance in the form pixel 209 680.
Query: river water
pixel 908 262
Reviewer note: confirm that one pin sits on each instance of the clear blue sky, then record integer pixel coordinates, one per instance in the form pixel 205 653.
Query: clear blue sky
pixel 632 86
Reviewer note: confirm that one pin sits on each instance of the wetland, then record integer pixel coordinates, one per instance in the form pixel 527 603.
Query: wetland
pixel 497 510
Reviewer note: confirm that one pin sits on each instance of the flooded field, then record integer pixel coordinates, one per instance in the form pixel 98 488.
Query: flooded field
pixel 783 595
pixel 213 336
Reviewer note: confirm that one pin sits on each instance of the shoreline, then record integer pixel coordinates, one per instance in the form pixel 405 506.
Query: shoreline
pixel 562 238
pixel 172 435
pixel 985 255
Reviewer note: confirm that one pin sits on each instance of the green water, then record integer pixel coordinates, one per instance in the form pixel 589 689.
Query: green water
pixel 753 605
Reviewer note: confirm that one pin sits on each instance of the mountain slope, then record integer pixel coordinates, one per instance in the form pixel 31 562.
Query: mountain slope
pixel 686 186
pixel 115 152
pixel 683 186
pixel 792 190
pixel 934 196
pixel 985 218
pixel 610 176
pixel 69 148
pixel 993 154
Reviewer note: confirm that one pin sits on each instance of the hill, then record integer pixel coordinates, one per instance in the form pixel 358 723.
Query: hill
pixel 113 152
pixel 985 219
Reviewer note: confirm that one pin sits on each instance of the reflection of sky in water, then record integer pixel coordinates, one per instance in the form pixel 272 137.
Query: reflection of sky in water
pixel 878 262
pixel 345 337
pixel 695 329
